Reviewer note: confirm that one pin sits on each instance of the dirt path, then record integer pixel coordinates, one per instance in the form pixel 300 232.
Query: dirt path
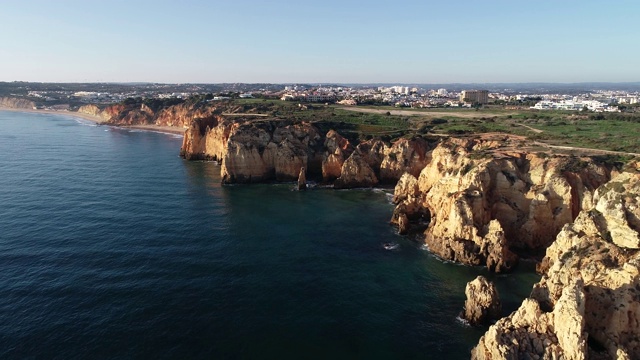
pixel 244 114
pixel 537 131
pixel 586 150
pixel 466 114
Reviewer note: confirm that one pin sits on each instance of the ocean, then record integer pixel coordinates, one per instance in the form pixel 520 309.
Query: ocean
pixel 112 246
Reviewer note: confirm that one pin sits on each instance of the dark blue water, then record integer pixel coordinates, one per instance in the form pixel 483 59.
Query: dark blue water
pixel 111 246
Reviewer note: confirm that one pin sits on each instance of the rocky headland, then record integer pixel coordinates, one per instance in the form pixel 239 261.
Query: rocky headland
pixel 179 115
pixel 256 150
pixel 587 304
pixel 486 203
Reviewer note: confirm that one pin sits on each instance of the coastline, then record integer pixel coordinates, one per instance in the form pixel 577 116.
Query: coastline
pixel 92 118
pixel 98 120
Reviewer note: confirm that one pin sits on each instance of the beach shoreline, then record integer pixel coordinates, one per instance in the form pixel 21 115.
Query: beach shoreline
pixel 100 121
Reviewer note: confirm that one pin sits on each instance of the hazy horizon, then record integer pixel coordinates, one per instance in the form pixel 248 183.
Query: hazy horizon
pixel 329 83
pixel 417 42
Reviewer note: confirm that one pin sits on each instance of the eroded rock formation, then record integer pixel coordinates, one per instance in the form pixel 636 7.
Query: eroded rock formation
pixel 587 304
pixel 530 333
pixel 16 103
pixel 302 179
pixel 483 302
pixel 484 203
pixel 254 150
pixel 337 150
pixel 93 110
pixel 179 115
pixel 259 151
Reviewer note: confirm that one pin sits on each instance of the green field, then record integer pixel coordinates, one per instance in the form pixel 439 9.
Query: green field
pixel 613 132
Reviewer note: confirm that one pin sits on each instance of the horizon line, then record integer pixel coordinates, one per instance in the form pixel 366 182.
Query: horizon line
pixel 323 83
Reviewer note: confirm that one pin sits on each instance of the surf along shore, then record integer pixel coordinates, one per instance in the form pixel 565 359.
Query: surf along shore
pixel 98 120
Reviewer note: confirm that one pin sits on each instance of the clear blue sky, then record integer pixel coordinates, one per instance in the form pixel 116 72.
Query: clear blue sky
pixel 320 41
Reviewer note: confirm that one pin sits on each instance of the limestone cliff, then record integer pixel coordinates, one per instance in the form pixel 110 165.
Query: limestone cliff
pixel 93 110
pixel 485 203
pixel 259 151
pixel 256 149
pixel 530 333
pixel 16 103
pixel 404 156
pixel 337 150
pixel 179 115
pixel 183 114
pixel 375 162
pixel 587 304
pixel 206 139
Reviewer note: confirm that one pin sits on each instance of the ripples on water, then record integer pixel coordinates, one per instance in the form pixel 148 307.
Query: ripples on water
pixel 111 246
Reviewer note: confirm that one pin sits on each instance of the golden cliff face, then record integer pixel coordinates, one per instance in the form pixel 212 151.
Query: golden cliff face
pixel 337 150
pixel 205 139
pixel 483 204
pixel 404 156
pixel 181 115
pixel 251 150
pixel 270 150
pixel 16 103
pixel 373 162
pixel 93 110
pixel 587 304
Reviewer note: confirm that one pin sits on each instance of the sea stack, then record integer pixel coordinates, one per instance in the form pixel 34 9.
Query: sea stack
pixel 483 303
pixel 302 179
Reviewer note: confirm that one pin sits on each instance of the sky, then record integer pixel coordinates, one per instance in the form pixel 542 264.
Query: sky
pixel 251 41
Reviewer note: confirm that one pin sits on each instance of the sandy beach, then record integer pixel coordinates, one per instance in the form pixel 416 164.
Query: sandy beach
pixel 99 120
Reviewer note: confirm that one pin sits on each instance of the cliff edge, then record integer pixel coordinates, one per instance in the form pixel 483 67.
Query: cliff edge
pixel 16 103
pixel 253 149
pixel 587 304
pixel 485 202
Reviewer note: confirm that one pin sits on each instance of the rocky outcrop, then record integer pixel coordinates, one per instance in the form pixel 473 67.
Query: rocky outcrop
pixel 179 115
pixel 356 172
pixel 374 153
pixel 256 150
pixel 16 103
pixel 93 110
pixel 483 302
pixel 302 179
pixel 530 333
pixel 484 204
pixel 121 114
pixel 587 304
pixel 338 149
pixel 373 162
pixel 259 151
pixel 404 156
pixel 182 115
pixel 206 139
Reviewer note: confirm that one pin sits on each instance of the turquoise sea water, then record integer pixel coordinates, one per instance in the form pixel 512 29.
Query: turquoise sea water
pixel 111 246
